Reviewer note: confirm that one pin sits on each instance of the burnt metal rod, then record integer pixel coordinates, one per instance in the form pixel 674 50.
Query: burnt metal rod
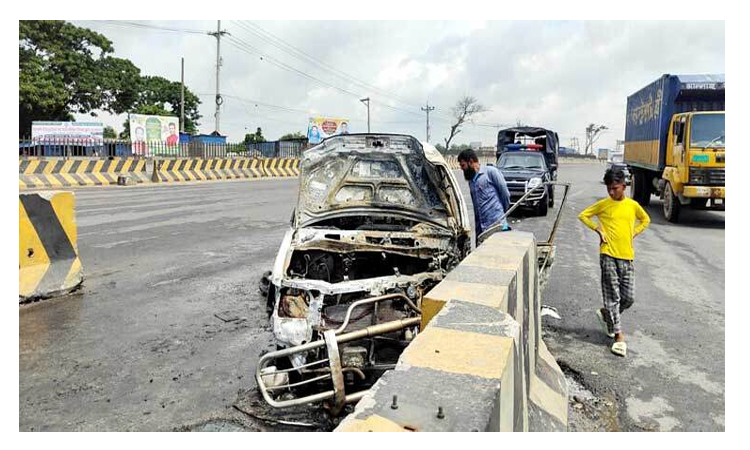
pixel 314 363
pixel 499 224
pixel 311 380
pixel 355 397
pixel 347 337
pixel 559 212
pixel 366 301
pixel 378 329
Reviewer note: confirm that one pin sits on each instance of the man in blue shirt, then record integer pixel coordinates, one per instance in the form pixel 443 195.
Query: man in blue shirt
pixel 489 193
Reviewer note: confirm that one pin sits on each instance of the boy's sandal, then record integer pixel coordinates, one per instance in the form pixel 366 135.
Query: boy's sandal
pixel 604 323
pixel 619 348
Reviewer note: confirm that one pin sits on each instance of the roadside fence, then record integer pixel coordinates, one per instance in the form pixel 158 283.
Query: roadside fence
pixel 71 147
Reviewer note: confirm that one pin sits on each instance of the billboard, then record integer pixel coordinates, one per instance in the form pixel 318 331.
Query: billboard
pixel 161 132
pixel 82 133
pixel 319 128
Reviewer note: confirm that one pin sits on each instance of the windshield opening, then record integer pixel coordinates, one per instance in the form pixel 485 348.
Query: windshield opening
pixel 521 161
pixel 707 131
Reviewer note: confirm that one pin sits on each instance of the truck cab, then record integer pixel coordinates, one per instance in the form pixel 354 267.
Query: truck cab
pixel 695 157
pixel 675 143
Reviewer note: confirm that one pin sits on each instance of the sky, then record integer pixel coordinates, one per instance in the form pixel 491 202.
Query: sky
pixel 561 75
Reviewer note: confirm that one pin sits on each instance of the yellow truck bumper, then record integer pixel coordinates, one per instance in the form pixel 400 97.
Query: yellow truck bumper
pixel 703 191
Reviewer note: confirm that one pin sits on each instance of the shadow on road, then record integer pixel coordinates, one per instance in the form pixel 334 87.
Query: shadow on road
pixel 689 218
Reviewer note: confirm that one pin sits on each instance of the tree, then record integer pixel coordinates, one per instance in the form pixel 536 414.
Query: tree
pixel 255 138
pixel 465 110
pixel 160 97
pixel 440 148
pixel 295 135
pixel 593 132
pixel 65 69
pixel 160 92
pixel 110 133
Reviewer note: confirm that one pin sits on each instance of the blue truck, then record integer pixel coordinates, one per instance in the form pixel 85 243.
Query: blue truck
pixel 674 143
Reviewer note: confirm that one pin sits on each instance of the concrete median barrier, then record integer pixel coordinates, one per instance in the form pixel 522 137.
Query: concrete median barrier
pixel 197 169
pixel 61 172
pixel 48 262
pixel 480 358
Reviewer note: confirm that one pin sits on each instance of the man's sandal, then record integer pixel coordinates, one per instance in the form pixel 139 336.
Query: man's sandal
pixel 604 323
pixel 619 348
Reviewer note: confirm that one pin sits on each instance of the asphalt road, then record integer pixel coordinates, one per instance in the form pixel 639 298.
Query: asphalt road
pixel 673 376
pixel 169 324
pixel 166 332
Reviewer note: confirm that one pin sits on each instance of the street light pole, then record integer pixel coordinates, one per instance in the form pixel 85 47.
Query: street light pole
pixel 367 102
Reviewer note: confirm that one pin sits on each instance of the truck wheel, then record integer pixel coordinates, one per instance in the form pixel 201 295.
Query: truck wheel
pixel 633 191
pixel 551 196
pixel 646 180
pixel 640 191
pixel 542 208
pixel 671 204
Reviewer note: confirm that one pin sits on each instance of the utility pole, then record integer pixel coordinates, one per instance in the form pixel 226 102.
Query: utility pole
pixel 182 97
pixel 219 100
pixel 575 145
pixel 427 109
pixel 367 102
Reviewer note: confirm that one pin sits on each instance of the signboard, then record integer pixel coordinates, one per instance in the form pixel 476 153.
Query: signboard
pixel 161 132
pixel 319 128
pixel 80 133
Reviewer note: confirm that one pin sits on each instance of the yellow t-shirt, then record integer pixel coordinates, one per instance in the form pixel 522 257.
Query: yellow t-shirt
pixel 617 218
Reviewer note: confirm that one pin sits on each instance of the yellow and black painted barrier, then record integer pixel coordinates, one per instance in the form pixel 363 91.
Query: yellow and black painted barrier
pixel 281 167
pixel 479 363
pixel 48 262
pixel 197 169
pixel 62 172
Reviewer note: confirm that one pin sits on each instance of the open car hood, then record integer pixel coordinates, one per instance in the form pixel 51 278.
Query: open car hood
pixel 371 174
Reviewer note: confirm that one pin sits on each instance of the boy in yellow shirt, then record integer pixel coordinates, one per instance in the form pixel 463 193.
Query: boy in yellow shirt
pixel 617 216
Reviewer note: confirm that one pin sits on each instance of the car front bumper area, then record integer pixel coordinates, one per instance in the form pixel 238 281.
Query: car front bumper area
pixel 519 190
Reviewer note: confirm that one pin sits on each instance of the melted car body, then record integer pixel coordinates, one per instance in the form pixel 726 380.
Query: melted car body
pixel 379 221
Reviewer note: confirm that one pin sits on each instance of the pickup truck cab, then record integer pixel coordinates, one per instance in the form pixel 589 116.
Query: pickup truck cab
pixel 525 171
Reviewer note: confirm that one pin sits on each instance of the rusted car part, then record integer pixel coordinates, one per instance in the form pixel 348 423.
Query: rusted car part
pixel 336 394
pixel 545 250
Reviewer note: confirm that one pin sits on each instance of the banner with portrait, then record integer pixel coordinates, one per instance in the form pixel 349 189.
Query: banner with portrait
pixel 319 128
pixel 154 134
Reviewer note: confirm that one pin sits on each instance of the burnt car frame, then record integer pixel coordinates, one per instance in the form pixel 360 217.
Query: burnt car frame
pixel 380 219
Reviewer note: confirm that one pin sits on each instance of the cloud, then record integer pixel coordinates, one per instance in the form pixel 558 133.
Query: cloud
pixel 558 74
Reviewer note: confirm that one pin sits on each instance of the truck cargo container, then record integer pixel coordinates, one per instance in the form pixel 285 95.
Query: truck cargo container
pixel 674 143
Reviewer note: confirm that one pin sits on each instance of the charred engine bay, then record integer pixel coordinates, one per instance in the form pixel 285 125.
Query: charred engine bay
pixel 335 267
pixel 362 247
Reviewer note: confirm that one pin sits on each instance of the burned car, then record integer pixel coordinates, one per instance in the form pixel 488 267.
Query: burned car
pixel 380 220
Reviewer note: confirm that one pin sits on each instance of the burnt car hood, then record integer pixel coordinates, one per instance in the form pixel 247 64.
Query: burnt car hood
pixel 371 175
